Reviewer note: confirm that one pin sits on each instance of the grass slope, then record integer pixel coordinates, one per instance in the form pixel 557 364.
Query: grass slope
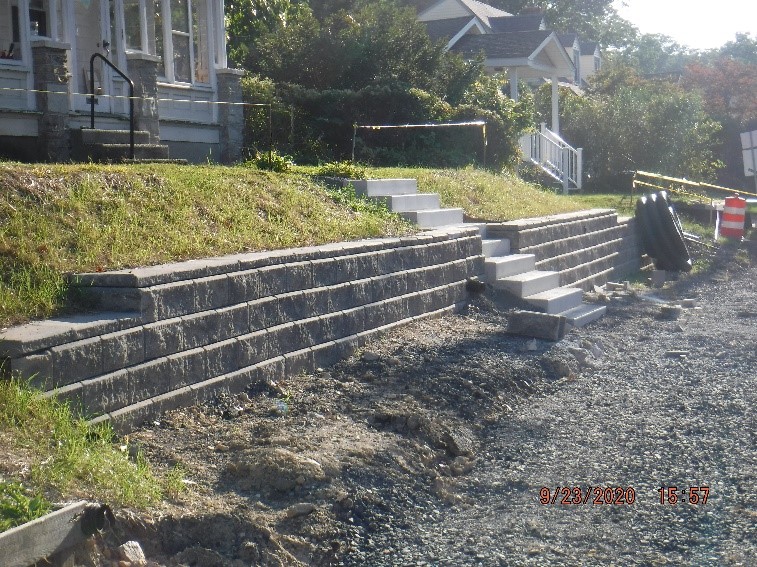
pixel 73 218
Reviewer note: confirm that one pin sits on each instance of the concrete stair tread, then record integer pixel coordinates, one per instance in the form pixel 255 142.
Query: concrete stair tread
pixel 528 283
pixel 500 267
pixel 384 187
pixel 556 300
pixel 433 218
pixel 584 314
pixel 411 202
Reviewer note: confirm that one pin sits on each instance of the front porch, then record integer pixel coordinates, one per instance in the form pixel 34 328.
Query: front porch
pixel 173 51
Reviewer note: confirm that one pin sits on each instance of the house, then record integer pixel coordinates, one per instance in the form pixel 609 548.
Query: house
pixel 173 51
pixel 522 47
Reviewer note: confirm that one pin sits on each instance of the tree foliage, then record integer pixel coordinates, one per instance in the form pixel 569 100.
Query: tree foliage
pixel 630 123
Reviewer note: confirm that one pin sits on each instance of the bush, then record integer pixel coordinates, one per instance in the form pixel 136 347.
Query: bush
pixel 271 161
pixel 345 169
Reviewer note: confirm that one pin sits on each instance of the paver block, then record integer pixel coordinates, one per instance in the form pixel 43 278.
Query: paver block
pixel 162 338
pixel 244 286
pixel 324 272
pixel 293 306
pixel 299 276
pixel 77 361
pixel 273 280
pixel 253 348
pixel 222 358
pixel 122 349
pixel 284 338
pixel 212 292
pixel 38 368
pixel 264 313
pixel 129 418
pixel 175 399
pixel 271 370
pixel 233 321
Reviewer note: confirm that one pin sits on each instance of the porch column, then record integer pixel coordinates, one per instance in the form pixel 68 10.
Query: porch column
pixel 143 71
pixel 230 116
pixel 555 106
pixel 512 74
pixel 51 76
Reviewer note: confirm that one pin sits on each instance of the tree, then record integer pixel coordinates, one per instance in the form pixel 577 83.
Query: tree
pixel 640 124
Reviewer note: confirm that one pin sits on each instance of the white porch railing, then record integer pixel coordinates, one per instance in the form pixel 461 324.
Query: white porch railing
pixel 555 157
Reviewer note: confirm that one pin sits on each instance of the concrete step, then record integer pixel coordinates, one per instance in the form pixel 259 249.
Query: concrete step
pixel 556 300
pixel 120 152
pixel 88 136
pixel 408 203
pixel 382 187
pixel 495 247
pixel 434 218
pixel 584 314
pixel 529 283
pixel 503 266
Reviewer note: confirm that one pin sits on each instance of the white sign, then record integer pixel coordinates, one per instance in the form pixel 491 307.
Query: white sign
pixel 749 151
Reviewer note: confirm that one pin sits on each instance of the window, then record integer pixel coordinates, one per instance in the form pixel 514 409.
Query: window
pixel 132 25
pixel 38 17
pixel 181 39
pixel 10 31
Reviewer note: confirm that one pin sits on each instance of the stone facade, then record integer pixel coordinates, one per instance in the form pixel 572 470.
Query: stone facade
pixel 143 71
pixel 231 116
pixel 50 78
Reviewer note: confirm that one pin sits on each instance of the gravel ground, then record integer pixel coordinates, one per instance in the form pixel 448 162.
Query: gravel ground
pixel 670 403
pixel 437 444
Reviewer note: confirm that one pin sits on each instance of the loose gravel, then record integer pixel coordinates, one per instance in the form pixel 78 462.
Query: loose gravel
pixel 670 403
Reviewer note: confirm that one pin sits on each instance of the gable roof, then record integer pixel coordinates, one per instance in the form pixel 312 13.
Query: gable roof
pixel 588 47
pixel 446 29
pixel 523 22
pixel 537 53
pixel 502 45
pixel 448 9
pixel 569 40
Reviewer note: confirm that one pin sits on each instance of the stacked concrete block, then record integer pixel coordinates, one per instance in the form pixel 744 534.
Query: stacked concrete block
pixel 182 333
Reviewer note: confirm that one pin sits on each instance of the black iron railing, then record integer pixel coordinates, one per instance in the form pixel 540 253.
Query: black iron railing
pixel 93 101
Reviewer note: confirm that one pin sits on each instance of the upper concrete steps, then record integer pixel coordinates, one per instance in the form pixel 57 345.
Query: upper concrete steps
pixel 401 196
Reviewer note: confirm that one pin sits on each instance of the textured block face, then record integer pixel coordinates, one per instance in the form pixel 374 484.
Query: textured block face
pixel 222 358
pixel 173 299
pixel 38 368
pixel 298 276
pixel 253 348
pixel 323 271
pixel 77 361
pixel 244 286
pixel 293 307
pixel 273 280
pixel 201 329
pixel 233 321
pixel 187 368
pixel 123 349
pixel 211 292
pixel 284 338
pixel 162 338
pixel 264 313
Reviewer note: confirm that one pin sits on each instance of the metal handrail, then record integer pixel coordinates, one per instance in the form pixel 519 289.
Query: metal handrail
pixel 92 96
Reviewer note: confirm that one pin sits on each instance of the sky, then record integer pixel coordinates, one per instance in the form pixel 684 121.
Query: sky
pixel 696 24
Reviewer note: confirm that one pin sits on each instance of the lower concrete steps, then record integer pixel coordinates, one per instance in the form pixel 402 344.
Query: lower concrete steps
pixel 584 314
pixel 556 300
pixel 495 247
pixel 107 146
pixel 502 266
pixel 528 283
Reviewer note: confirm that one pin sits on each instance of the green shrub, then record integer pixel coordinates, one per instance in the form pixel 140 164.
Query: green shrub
pixel 271 161
pixel 346 169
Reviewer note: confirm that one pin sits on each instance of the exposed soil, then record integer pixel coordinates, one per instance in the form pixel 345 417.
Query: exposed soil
pixel 432 445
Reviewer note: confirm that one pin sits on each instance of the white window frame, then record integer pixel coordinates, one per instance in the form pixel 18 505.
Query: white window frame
pixel 168 44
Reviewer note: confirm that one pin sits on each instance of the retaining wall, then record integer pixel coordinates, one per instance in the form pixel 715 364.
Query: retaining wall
pixel 178 334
